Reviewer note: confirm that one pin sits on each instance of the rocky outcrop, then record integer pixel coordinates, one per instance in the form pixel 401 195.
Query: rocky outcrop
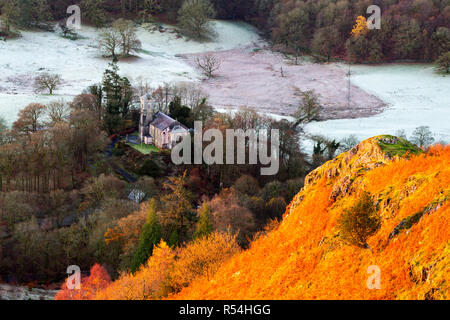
pixel 305 257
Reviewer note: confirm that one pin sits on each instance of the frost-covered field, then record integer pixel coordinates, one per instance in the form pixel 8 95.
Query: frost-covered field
pixel 415 95
pixel 80 63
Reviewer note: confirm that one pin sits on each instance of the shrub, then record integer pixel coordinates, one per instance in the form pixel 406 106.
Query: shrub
pixel 443 63
pixel 99 279
pixel 359 222
pixel 150 168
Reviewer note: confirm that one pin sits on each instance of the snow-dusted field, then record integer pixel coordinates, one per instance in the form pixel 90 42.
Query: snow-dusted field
pixel 266 81
pixel 80 63
pixel 415 95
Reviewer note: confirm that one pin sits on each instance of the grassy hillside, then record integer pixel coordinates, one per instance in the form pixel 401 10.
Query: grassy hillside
pixel 305 257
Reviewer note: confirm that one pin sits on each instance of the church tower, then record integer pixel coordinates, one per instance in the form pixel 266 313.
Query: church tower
pixel 146 116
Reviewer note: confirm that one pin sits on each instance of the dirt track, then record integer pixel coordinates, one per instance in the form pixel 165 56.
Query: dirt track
pixel 253 79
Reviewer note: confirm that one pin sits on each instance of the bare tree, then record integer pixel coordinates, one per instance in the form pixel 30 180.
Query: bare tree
pixel 109 42
pixel 58 111
pixel 422 136
pixel 128 38
pixel 209 64
pixel 121 35
pixel 47 81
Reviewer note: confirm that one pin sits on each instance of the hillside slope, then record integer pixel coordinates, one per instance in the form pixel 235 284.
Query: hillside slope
pixel 305 258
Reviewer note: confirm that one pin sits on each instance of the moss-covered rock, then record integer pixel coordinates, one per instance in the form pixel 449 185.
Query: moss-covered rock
pixel 395 146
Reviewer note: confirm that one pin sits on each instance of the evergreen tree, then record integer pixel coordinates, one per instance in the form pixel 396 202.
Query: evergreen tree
pixel 174 239
pixel 180 112
pixel 118 95
pixel 359 222
pixel 150 236
pixel 204 224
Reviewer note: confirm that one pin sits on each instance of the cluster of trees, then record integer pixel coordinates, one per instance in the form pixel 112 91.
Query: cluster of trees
pixel 23 13
pixel 49 231
pixel 168 271
pixel 48 147
pixel 120 36
pixel 409 30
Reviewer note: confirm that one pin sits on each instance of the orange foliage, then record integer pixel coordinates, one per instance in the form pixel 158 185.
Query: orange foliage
pixel 360 28
pixel 169 270
pixel 304 257
pixel 97 280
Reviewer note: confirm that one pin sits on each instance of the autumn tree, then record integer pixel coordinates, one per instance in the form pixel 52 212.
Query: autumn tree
pixel 202 258
pixel 30 118
pixel 46 81
pixel 98 280
pixel 150 236
pixel 194 18
pixel 360 27
pixel 227 212
pixel 177 210
pixel 170 270
pixel 359 222
pixel 126 233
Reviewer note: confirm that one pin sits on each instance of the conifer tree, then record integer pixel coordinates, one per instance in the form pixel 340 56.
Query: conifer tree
pixel 150 236
pixel 118 96
pixel 204 224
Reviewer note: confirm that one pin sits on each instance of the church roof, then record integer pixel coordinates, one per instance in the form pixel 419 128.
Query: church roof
pixel 163 121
